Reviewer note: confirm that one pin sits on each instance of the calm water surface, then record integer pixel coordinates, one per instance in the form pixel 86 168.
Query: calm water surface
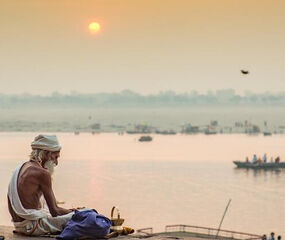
pixel 171 180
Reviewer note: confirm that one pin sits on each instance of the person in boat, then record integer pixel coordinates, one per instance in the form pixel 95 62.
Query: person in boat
pixel 254 160
pixel 277 160
pixel 246 159
pixel 265 158
pixel 30 189
pixel 272 236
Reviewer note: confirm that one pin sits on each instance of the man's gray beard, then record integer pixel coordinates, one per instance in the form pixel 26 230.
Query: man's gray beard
pixel 49 165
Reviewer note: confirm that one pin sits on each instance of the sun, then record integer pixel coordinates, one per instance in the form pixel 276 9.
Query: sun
pixel 94 27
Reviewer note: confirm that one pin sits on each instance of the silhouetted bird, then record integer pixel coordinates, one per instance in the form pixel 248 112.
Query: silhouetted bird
pixel 244 71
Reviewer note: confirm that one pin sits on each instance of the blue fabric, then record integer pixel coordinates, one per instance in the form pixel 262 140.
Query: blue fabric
pixel 86 224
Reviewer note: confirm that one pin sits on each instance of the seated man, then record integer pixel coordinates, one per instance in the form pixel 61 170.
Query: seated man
pixel 30 184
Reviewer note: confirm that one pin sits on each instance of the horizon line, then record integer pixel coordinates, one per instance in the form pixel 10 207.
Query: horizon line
pixel 193 91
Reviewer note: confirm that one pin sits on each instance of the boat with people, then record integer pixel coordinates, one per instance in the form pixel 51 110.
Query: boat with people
pixel 259 165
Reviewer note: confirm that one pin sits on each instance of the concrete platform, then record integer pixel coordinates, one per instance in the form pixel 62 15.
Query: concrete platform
pixel 7 232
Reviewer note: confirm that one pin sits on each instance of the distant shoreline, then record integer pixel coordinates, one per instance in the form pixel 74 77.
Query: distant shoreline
pixel 217 119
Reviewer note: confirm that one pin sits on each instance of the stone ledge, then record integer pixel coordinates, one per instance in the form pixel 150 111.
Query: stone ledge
pixel 7 232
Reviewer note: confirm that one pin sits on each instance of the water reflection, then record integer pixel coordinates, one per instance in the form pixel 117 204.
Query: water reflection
pixel 258 173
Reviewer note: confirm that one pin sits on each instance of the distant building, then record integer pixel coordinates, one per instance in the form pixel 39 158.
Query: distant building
pixel 188 129
pixel 214 123
pixel 95 126
pixel 239 124
pixel 140 128
pixel 252 129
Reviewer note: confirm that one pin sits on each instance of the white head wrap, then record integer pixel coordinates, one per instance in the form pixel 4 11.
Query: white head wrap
pixel 46 142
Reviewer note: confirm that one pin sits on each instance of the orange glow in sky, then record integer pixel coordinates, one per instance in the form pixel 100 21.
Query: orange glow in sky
pixel 94 27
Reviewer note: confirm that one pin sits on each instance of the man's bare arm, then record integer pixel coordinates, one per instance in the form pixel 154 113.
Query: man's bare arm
pixel 46 187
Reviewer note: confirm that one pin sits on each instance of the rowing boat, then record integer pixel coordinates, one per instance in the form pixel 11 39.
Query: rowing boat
pixel 262 165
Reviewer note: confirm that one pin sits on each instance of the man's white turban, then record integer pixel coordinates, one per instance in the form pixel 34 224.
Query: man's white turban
pixel 46 142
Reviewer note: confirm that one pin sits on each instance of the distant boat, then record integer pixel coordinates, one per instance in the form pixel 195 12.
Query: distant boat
pixel 145 139
pixel 166 132
pixel 137 131
pixel 132 132
pixel 267 165
pixel 95 132
pixel 209 132
pixel 189 129
pixel 140 129
pixel 267 133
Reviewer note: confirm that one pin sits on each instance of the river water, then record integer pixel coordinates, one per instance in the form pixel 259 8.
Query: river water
pixel 180 179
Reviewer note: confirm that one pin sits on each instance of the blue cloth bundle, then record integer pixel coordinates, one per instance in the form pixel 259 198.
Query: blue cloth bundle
pixel 86 224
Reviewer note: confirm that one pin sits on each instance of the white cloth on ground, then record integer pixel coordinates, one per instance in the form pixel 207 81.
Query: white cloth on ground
pixel 46 223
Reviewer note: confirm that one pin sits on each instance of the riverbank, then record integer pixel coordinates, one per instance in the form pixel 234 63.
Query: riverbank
pixel 7 232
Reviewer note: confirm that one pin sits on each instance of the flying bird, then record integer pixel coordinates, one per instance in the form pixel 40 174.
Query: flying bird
pixel 244 71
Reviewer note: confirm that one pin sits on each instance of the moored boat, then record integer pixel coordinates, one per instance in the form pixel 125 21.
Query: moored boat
pixel 262 165
pixel 210 132
pixel 165 132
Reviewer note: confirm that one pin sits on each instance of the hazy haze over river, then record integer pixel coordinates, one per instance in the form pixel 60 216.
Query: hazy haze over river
pixel 165 118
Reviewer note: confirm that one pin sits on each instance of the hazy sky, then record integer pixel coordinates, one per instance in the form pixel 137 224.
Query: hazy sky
pixel 144 45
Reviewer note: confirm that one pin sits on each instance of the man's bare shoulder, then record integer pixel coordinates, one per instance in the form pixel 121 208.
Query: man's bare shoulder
pixel 38 172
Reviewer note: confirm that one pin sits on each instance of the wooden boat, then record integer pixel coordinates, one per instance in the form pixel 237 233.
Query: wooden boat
pixel 262 165
pixel 145 139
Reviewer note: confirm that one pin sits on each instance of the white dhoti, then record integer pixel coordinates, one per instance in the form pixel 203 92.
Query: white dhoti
pixel 37 221
pixel 42 226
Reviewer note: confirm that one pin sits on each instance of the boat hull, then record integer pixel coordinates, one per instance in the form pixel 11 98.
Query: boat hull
pixel 269 165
